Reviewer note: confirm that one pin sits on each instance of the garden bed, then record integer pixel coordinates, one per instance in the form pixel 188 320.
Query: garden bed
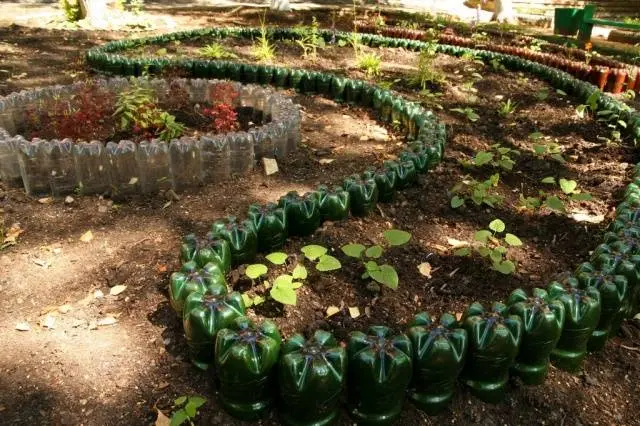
pixel 553 243
pixel 172 134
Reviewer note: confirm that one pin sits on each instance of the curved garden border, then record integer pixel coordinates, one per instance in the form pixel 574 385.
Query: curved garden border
pixel 612 257
pixel 61 166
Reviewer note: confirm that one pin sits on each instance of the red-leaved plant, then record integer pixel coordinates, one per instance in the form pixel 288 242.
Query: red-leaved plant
pixel 84 115
pixel 223 117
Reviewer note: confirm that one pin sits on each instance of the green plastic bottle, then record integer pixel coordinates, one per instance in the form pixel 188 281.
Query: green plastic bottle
pixel 246 357
pixel 204 315
pixel 385 180
pixel 420 162
pixel 205 251
pixel 494 339
pixel 619 258
pixel 242 238
pixel 270 224
pixel 405 172
pixel 613 294
pixel 334 203
pixel 582 313
pixel 439 351
pixel 311 375
pixel 380 370
pixel 190 279
pixel 363 192
pixel 542 322
pixel 302 212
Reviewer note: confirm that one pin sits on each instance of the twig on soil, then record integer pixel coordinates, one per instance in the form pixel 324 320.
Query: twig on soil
pixel 630 348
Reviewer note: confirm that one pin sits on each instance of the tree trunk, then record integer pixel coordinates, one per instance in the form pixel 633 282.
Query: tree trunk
pixel 504 11
pixel 95 11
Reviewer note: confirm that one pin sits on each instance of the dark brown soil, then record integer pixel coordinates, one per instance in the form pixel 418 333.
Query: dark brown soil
pixel 83 372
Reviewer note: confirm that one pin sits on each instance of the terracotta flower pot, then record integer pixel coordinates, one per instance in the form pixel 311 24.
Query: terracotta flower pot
pixel 620 78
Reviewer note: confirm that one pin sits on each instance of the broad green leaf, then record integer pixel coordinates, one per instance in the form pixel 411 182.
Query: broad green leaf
pixel 299 272
pixel 549 179
pixel 482 158
pixel 190 409
pixel 277 258
pixel 500 249
pixel 535 136
pixel 482 235
pixel 373 252
pixel 568 186
pixel 559 158
pixel 286 296
pixel 539 149
pixel 495 256
pixel 561 92
pixel 365 276
pixel 396 237
pixel 483 251
pixel 328 263
pixel 197 401
pixel 312 252
pixel 456 201
pixel 353 250
pixel 296 285
pixel 248 301
pixel 580 109
pixel 371 266
pixel 497 225
pixel 512 240
pixel 179 417
pixel 256 270
pixel 258 300
pixel 463 251
pixel 180 400
pixel 581 196
pixel 386 275
pixel 283 281
pixel 506 267
pixel 554 203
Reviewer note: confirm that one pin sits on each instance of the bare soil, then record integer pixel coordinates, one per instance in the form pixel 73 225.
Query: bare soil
pixel 80 371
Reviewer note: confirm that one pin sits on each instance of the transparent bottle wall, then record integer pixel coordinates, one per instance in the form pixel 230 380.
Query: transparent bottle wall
pixel 59 167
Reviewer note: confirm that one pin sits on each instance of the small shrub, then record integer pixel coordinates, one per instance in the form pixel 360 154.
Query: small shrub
pixel 468 112
pixel 71 9
pixel 263 50
pixel 426 73
pixel 384 274
pixel 185 409
pixel 488 244
pixel 216 51
pixel 498 156
pixel 310 39
pixel 477 192
pixel 223 118
pixel 370 64
pixel 569 192
pixel 506 108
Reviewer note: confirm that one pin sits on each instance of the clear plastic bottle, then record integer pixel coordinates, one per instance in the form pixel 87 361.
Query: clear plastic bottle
pixel 263 144
pixel 198 89
pixel 241 154
pixel 215 158
pixel 6 116
pixel 184 154
pixel 280 139
pixel 9 166
pixel 63 172
pixel 92 167
pixel 125 176
pixel 153 164
pixel 34 166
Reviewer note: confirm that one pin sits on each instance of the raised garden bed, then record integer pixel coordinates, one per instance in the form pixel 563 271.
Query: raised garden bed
pixel 529 364
pixel 144 135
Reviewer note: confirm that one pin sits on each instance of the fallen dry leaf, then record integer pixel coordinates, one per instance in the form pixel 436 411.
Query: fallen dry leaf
pixel 116 290
pixel 584 217
pixel 162 420
pixel 457 243
pixel 425 269
pixel 86 237
pixel 23 326
pixel 108 320
pixel 63 309
pixel 45 200
pixel 98 294
pixel 354 312
pixel 12 234
pixel 326 160
pixel 332 310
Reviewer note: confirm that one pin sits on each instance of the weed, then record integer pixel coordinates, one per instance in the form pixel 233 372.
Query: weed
pixel 477 192
pixel 216 51
pixel 506 108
